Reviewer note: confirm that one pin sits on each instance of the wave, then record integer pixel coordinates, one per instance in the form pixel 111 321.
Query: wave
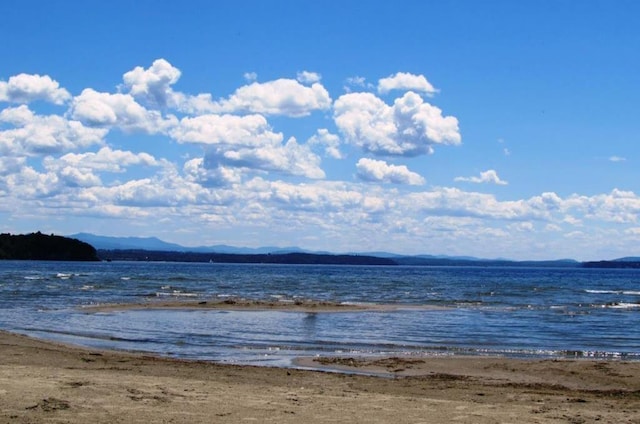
pixel 625 292
pixel 176 293
pixel 621 305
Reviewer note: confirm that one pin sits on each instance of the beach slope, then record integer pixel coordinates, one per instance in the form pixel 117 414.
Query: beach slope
pixel 48 382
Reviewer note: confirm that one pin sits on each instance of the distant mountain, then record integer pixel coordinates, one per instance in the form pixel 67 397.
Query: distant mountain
pixel 155 244
pixel 113 243
pixel 628 259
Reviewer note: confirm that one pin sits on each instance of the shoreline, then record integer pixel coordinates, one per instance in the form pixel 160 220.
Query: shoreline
pixel 43 381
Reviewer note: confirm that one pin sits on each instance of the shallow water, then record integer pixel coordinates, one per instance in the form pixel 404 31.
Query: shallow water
pixel 521 312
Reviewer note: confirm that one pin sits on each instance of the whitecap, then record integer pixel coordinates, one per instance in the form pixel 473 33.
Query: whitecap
pixel 623 305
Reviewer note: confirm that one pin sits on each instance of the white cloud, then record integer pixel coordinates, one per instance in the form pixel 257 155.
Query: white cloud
pixel 253 182
pixel 104 160
pixel 118 110
pixel 25 88
pixel 247 142
pixel 11 164
pixel 307 77
pixel 380 171
pixel 35 134
pixel 153 85
pixel 459 203
pixel 280 97
pixel 290 158
pixel 31 184
pixel 17 116
pixel 618 206
pixel 405 82
pixel 408 128
pixel 357 82
pixel 633 231
pixel 330 142
pixel 211 175
pixel 489 176
pixel 232 130
pixel 75 177
pixel 250 76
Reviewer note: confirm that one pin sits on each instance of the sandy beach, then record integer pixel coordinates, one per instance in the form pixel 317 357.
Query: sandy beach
pixel 49 382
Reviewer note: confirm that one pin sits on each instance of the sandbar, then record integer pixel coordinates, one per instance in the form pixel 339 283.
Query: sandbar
pixel 47 382
pixel 239 304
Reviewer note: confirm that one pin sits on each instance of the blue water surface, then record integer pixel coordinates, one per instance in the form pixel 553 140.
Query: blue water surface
pixel 521 312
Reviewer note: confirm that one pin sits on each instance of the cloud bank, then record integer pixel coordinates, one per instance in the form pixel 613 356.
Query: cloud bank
pixel 279 162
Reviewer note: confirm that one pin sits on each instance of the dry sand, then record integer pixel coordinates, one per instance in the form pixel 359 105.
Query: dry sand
pixel 48 382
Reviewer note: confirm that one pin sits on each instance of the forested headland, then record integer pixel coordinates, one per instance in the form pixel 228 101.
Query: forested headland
pixel 38 246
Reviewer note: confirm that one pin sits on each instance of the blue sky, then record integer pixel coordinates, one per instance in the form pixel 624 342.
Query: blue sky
pixel 492 129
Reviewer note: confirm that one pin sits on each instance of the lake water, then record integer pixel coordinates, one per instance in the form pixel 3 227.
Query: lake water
pixel 520 312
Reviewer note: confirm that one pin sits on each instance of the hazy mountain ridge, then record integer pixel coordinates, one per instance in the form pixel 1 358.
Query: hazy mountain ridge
pixel 155 244
pixel 106 243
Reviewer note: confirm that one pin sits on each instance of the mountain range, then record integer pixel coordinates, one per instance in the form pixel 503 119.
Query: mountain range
pixel 134 247
pixel 155 244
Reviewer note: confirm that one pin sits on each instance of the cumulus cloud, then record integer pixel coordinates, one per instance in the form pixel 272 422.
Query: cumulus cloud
pixel 251 176
pixel 380 171
pixel 247 142
pixel 36 134
pixel 74 177
pixel 104 160
pixel 26 88
pixel 291 158
pixel 233 130
pixel 280 97
pixel 11 164
pixel 405 81
pixel 490 176
pixel 153 85
pixel 330 143
pixel 118 110
pixel 408 128
pixel 209 173
pixel 459 203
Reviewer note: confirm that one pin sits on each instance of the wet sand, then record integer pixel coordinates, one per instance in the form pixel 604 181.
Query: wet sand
pixel 298 305
pixel 49 382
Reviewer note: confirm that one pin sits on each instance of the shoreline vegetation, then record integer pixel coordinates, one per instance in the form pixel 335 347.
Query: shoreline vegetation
pixel 44 381
pixel 42 247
